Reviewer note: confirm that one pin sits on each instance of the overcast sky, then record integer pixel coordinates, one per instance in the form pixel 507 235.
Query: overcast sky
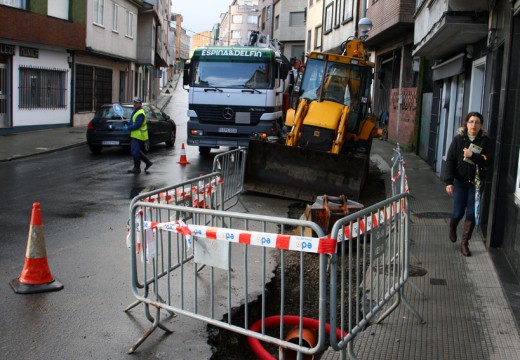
pixel 199 16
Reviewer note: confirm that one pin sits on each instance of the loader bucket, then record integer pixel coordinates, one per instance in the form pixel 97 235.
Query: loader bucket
pixel 301 173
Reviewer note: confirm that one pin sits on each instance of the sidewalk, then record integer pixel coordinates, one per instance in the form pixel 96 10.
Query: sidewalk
pixel 20 145
pixel 461 299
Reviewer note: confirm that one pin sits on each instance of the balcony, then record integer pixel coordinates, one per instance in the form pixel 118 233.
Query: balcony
pixel 392 20
pixel 444 27
pixel 41 29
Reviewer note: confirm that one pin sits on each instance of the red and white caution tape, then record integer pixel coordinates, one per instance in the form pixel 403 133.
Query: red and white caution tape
pixel 377 219
pixel 270 240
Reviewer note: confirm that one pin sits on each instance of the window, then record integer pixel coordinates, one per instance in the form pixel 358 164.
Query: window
pixel 58 9
pixel 276 22
pixel 99 7
pixel 309 38
pixel 297 18
pixel 317 37
pixel 93 87
pixel 328 19
pixel 115 16
pixel 42 88
pixel 298 51
pixel 347 10
pixel 130 24
pixel 310 3
pixel 337 13
pixel 21 4
pixel 237 19
pixel 252 19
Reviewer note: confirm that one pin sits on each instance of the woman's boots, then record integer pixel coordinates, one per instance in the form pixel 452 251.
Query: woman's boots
pixel 453 230
pixel 466 235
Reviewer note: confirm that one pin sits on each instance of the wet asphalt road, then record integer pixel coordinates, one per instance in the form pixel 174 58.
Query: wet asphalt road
pixel 84 206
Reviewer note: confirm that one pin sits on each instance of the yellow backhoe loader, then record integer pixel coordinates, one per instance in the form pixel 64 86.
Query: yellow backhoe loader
pixel 329 133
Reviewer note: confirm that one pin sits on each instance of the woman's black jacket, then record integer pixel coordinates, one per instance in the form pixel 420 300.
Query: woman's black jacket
pixel 456 167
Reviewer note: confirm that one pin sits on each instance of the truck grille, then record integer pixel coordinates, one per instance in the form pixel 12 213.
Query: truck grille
pixel 214 114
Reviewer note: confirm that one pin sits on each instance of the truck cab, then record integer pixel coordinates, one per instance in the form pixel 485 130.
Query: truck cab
pixel 234 93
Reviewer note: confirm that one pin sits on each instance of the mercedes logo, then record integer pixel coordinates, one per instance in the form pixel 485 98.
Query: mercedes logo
pixel 228 113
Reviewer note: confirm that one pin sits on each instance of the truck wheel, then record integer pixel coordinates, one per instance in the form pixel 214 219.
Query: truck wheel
pixel 204 150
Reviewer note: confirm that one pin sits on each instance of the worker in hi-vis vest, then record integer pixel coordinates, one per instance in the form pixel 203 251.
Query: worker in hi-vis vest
pixel 138 135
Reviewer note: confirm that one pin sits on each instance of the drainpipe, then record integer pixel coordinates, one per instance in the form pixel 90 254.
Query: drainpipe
pixel 400 95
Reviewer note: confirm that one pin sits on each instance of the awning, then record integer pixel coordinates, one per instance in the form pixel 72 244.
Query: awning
pixel 449 68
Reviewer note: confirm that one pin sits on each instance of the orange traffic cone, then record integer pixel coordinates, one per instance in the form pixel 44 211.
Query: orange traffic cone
pixel 36 276
pixel 183 160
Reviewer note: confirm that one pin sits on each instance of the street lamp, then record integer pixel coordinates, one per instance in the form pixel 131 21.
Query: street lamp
pixel 364 26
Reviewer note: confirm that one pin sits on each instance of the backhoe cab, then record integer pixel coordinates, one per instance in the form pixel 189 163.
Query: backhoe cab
pixel 328 134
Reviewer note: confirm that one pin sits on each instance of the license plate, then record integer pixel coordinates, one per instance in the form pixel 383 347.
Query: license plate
pixel 228 130
pixel 110 142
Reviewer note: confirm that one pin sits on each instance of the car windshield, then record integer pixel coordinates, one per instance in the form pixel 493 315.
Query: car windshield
pixel 107 112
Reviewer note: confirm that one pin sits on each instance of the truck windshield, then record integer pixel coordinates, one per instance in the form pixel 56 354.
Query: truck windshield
pixel 252 75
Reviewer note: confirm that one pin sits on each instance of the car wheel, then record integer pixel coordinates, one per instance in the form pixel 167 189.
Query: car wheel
pixel 204 150
pixel 146 146
pixel 95 149
pixel 171 139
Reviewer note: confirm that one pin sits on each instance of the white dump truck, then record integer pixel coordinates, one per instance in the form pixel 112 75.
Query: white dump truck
pixel 235 92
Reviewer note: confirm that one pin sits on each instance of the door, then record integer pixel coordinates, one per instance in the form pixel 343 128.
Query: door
pixel 5 118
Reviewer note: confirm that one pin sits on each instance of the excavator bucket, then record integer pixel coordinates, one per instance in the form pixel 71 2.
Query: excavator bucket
pixel 301 173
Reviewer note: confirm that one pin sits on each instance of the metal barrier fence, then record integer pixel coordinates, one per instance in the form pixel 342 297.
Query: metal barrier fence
pixel 192 257
pixel 204 191
pixel 370 267
pixel 398 172
pixel 231 164
pixel 202 263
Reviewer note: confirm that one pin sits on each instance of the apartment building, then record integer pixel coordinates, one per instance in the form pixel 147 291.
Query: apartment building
pixel 65 58
pixel 237 24
pixel 37 42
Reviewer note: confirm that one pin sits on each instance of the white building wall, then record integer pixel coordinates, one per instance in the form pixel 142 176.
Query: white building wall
pixel 47 59
pixel 314 20
pixel 341 33
pixel 428 17
pixel 102 38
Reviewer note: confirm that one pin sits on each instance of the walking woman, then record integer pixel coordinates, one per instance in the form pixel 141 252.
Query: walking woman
pixel 467 159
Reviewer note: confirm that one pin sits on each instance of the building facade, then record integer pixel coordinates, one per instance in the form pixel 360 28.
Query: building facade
pixel 73 56
pixel 36 61
pixel 237 24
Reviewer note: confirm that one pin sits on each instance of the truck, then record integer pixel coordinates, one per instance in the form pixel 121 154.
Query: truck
pixel 235 92
pixel 328 133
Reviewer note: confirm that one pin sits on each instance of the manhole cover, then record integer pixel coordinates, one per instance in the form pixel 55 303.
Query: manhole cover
pixel 438 282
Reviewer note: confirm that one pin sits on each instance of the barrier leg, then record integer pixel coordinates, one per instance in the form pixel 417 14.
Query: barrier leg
pixel 351 353
pixel 400 297
pixel 156 324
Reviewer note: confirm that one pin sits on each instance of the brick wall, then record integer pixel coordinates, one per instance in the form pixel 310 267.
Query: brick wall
pixel 407 115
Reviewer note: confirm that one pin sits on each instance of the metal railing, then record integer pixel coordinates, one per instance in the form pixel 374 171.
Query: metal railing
pixel 202 263
pixel 199 260
pixel 370 267
pixel 231 164
pixel 398 172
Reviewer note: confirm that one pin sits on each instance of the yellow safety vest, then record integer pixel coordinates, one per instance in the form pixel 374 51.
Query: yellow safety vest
pixel 142 132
